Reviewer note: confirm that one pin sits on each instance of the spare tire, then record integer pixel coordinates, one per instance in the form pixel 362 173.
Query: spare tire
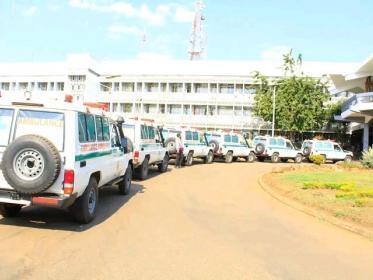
pixel 306 151
pixel 214 144
pixel 170 144
pixel 259 148
pixel 31 164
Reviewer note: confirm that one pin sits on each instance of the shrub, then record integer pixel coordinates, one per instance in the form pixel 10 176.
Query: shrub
pixel 352 164
pixel 367 160
pixel 345 187
pixel 364 202
pixel 317 159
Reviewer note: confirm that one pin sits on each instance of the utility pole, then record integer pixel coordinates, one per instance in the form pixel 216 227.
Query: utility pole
pixel 198 36
pixel 273 111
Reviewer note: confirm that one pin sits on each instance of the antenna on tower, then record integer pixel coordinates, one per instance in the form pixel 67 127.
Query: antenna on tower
pixel 198 36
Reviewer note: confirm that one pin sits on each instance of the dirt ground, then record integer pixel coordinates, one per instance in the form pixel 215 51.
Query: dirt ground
pixel 202 222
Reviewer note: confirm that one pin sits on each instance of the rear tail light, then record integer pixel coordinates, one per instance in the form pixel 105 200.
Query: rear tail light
pixel 136 155
pixel 68 185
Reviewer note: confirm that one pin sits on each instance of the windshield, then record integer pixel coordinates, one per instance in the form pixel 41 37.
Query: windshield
pixel 47 124
pixel 6 118
pixel 258 140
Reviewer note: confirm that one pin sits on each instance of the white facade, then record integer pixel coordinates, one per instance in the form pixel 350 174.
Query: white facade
pixel 205 94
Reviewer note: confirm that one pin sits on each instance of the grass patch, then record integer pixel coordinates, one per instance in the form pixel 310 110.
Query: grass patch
pixel 344 193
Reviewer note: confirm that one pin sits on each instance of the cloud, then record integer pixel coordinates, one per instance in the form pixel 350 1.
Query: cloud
pixel 31 11
pixel 116 31
pixel 183 14
pixel 156 17
pixel 275 53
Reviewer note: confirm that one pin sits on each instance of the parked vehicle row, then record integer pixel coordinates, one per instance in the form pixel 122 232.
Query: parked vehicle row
pixel 60 154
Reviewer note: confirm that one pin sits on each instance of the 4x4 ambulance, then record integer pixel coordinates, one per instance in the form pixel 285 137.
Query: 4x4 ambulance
pixel 59 154
pixel 148 147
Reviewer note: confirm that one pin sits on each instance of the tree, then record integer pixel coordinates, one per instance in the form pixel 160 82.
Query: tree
pixel 299 99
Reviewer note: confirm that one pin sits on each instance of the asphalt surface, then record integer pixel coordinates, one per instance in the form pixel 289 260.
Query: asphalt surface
pixel 202 222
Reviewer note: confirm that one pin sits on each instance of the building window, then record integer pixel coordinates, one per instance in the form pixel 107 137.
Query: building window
pixel 238 111
pixel 106 87
pixel 176 87
pixel 5 86
pixel 163 87
pixel 246 111
pixel 213 88
pixel 186 110
pixel 162 108
pixel 128 87
pixel 188 87
pixel 225 110
pixel 42 86
pixel 51 85
pixel 199 110
pixel 116 86
pixel 226 88
pixel 140 87
pixel 151 87
pixel 239 88
pixel 174 109
pixel 125 108
pixel 23 86
pixel 60 86
pixel 249 89
pixel 201 88
pixel 212 110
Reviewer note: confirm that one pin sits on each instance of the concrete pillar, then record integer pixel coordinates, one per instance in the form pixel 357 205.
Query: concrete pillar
pixel 366 137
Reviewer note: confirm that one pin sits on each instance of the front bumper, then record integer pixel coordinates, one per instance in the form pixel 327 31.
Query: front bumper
pixel 56 201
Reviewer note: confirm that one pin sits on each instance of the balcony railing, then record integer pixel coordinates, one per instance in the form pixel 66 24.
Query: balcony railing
pixel 356 99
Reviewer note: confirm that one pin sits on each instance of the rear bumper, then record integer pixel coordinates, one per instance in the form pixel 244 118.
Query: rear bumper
pixel 57 201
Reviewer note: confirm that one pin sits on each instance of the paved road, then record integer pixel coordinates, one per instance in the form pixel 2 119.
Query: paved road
pixel 202 222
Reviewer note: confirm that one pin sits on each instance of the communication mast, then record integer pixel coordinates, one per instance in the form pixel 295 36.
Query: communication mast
pixel 198 36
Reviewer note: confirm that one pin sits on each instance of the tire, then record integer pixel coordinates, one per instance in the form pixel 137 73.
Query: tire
pixel 170 145
pixel 261 159
pixel 31 164
pixel 214 144
pixel 259 148
pixel 189 159
pixel 298 158
pixel 124 186
pixel 8 210
pixel 85 207
pixel 251 157
pixel 306 151
pixel 348 159
pixel 275 158
pixel 163 167
pixel 143 170
pixel 229 157
pixel 210 158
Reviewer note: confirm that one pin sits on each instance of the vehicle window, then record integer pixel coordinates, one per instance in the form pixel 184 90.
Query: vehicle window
pixel 202 139
pixel 319 146
pixel 6 118
pixel 91 128
pixel 129 131
pixel 328 146
pixel 188 136
pixel 337 148
pixel 280 142
pixel 272 142
pixel 259 140
pixel 105 129
pixel 289 145
pixel 115 142
pixel 144 132
pixel 47 124
pixel 227 138
pixel 82 128
pixel 195 136
pixel 100 135
pixel 151 133
pixel 235 139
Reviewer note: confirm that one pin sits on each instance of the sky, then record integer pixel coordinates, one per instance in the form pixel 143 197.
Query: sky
pixel 321 30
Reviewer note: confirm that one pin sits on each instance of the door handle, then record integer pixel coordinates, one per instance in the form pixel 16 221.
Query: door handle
pixel 83 163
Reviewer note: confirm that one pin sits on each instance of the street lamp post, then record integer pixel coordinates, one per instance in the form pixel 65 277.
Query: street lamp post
pixel 273 111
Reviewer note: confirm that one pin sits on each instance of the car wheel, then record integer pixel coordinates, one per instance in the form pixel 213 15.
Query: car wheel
pixel 298 158
pixel 124 186
pixel 8 210
pixel 251 157
pixel 143 170
pixel 85 207
pixel 275 158
pixel 189 159
pixel 348 159
pixel 163 166
pixel 210 158
pixel 229 157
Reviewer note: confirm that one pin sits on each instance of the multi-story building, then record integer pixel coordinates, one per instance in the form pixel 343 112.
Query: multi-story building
pixel 205 94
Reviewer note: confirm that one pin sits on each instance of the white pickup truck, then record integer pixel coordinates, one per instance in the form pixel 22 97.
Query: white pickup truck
pixel 195 144
pixel 230 146
pixel 59 155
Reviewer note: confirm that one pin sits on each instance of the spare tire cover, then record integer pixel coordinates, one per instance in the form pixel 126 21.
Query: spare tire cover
pixel 214 144
pixel 306 151
pixel 170 144
pixel 259 148
pixel 31 164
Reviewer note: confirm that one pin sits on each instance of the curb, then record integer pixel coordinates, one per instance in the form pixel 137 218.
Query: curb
pixel 318 214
